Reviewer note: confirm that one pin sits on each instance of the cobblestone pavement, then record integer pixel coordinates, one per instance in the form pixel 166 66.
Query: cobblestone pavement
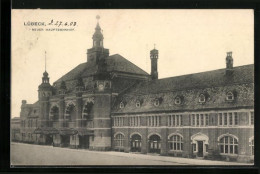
pixel 28 154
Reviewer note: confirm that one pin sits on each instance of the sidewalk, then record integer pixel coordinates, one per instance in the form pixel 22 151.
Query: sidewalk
pixel 148 157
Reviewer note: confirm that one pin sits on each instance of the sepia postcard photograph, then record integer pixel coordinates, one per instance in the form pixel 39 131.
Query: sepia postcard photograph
pixel 168 87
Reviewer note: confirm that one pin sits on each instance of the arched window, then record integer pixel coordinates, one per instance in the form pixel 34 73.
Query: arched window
pixel 138 104
pixel 176 143
pixel 54 113
pixel 156 102
pixel 70 113
pixel 228 145
pixel 122 105
pixel 177 100
pixel 251 145
pixel 119 140
pixel 202 98
pixel 230 96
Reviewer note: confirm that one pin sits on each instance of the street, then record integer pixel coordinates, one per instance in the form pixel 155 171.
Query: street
pixel 28 154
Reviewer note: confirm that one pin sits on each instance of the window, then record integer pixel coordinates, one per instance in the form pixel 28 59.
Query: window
pixel 225 119
pixel 177 100
pixel 122 105
pixel 197 119
pixel 176 143
pixel 252 118
pixel 230 116
pixel 220 121
pixel 202 98
pixel 193 119
pixel 138 104
pixel 175 120
pixel 251 145
pixel 230 96
pixel 156 102
pixel 119 140
pixel 134 121
pixel 118 121
pixel 228 145
pixel 207 119
pixel 153 121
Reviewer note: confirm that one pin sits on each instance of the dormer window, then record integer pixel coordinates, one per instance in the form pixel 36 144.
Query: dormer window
pixel 177 100
pixel 156 102
pixel 230 96
pixel 202 98
pixel 138 104
pixel 122 105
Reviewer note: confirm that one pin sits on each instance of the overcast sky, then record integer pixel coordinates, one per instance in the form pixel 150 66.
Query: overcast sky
pixel 189 41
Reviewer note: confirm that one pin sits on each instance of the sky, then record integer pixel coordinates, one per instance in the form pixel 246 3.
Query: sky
pixel 189 41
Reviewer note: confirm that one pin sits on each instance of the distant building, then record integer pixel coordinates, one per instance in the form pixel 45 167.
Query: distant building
pixel 108 103
pixel 15 129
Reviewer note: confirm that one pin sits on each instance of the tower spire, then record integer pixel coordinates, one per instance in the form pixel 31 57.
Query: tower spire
pixel 98 36
pixel 45 60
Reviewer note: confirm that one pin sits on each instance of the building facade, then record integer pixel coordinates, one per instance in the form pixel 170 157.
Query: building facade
pixel 108 103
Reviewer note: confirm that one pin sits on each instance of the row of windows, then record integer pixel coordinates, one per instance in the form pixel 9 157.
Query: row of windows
pixel 227 144
pixel 227 119
pixel 198 120
pixel 178 100
pixel 175 120
pixel 30 123
pixel 134 121
pixel 153 121
pixel 119 121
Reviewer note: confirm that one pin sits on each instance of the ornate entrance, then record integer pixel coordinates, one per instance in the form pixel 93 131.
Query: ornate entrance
pixel 155 144
pixel 136 143
pixel 200 143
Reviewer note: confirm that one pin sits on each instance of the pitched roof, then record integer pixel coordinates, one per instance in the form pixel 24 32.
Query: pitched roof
pixel 241 74
pixel 115 63
pixel 214 83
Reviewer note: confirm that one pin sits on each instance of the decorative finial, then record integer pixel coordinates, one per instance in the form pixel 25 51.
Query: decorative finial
pixel 97 17
pixel 154 46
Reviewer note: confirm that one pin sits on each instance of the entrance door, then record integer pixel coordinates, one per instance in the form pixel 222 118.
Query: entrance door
pixel 65 140
pixel 84 142
pixel 48 140
pixel 200 148
pixel 155 144
pixel 136 143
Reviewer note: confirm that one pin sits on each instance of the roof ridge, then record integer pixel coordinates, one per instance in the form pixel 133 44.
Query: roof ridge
pixel 202 72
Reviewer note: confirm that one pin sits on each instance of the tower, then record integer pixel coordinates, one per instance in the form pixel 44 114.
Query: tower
pixel 154 59
pixel 102 94
pixel 44 92
pixel 97 52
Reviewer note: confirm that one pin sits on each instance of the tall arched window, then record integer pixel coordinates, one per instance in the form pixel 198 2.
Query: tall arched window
pixel 70 113
pixel 119 140
pixel 228 145
pixel 54 113
pixel 176 143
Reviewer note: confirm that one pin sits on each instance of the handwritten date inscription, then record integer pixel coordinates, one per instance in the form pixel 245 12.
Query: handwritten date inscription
pixel 61 23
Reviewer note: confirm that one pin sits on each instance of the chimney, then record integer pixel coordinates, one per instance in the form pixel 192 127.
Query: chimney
pixel 154 58
pixel 229 63
pixel 24 102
